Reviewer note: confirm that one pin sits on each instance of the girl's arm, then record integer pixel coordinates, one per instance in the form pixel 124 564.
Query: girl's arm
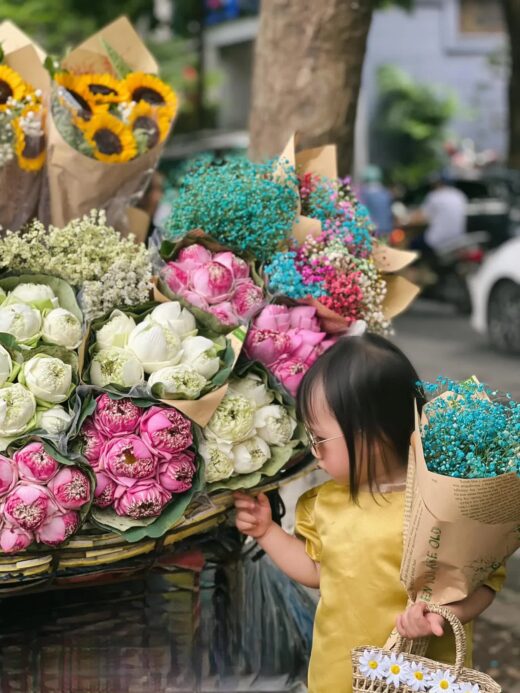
pixel 254 519
pixel 289 554
pixel 416 622
pixel 470 608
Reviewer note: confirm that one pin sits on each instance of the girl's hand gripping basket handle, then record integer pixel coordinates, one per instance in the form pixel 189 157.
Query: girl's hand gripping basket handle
pixel 404 645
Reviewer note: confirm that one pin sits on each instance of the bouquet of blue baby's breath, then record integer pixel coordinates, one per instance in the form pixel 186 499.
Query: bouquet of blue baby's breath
pixel 241 204
pixel 471 432
pixel 463 510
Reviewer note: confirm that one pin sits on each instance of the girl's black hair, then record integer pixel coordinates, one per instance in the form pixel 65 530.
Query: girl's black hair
pixel 370 387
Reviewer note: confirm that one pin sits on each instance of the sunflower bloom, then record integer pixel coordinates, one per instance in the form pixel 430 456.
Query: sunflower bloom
pixel 12 86
pixel 111 140
pixel 155 121
pixel 30 140
pixel 104 88
pixel 79 96
pixel 143 87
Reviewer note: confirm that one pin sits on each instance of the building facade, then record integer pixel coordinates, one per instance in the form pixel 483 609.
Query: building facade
pixel 457 44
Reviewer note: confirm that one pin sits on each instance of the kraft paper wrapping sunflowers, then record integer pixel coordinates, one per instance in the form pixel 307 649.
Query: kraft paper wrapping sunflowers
pixel 110 116
pixel 22 123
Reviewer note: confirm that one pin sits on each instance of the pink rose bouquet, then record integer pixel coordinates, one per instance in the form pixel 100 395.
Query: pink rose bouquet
pixel 41 499
pixel 217 282
pixel 142 458
pixel 287 340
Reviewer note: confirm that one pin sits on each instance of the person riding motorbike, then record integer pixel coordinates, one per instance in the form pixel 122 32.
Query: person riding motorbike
pixel 444 213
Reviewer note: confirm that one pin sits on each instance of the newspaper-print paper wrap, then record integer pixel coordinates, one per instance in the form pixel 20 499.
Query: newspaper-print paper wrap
pixel 20 189
pixel 77 183
pixel 458 531
pixel 322 161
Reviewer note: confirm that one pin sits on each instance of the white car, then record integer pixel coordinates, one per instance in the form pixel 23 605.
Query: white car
pixel 495 295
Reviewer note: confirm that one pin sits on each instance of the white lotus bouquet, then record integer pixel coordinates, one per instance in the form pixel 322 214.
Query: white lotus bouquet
pixel 34 312
pixel 38 363
pixel 253 433
pixel 157 350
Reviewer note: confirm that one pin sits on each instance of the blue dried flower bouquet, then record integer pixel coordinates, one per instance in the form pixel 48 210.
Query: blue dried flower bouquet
pixel 463 514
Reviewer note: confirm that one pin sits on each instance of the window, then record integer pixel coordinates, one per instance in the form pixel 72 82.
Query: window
pixel 481 17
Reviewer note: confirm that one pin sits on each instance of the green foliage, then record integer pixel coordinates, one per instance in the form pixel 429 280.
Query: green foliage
pixel 121 68
pixel 405 4
pixel 61 24
pixel 411 125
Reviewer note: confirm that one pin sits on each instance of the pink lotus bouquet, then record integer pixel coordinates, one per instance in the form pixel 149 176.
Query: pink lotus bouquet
pixel 41 499
pixel 288 340
pixel 213 281
pixel 143 459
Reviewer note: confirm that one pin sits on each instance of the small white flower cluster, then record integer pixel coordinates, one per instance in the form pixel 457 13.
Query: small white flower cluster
pixel 395 670
pixel 374 289
pixel 109 270
pixel 6 138
pixel 125 109
pixel 165 346
pixel 243 430
pixel 32 123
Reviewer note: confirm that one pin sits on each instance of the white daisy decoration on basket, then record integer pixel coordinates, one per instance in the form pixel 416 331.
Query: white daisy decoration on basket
pixel 371 665
pixel 443 682
pixel 468 688
pixel 417 677
pixel 396 669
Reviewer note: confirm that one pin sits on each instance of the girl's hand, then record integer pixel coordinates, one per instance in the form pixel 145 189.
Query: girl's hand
pixel 254 515
pixel 416 622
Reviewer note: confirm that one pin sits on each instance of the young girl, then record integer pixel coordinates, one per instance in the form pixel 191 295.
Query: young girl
pixel 357 402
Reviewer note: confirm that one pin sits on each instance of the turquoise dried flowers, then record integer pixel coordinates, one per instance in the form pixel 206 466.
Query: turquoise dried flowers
pixel 471 433
pixel 239 203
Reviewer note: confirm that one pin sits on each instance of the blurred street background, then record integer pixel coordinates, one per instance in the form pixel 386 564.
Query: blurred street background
pixel 428 94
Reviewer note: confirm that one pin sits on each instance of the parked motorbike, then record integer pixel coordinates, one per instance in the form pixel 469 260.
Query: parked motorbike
pixel 443 276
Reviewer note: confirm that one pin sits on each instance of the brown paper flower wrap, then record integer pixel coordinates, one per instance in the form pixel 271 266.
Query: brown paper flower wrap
pixel 459 531
pixel 20 188
pixel 78 183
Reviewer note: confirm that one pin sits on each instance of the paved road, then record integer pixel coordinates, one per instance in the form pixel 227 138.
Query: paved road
pixel 440 342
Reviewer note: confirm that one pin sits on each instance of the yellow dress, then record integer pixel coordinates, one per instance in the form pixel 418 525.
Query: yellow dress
pixel 359 548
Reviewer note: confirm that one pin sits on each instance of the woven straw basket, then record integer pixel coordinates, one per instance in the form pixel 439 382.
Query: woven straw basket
pixel 363 683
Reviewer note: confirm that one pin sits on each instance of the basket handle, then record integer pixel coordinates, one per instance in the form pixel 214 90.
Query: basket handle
pixel 402 645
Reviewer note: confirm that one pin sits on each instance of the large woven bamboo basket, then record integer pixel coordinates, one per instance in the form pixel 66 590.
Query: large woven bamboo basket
pixel 93 556
pixel 452 675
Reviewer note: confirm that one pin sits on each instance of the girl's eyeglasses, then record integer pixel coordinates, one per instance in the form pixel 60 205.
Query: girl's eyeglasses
pixel 316 442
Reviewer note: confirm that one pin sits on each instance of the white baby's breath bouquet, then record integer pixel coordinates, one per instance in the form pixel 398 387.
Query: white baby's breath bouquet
pixel 107 269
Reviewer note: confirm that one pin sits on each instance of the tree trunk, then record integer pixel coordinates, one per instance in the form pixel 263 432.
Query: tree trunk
pixel 512 15
pixel 308 62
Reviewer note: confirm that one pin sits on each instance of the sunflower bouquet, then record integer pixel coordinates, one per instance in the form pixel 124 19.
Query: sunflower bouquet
pixel 109 119
pixel 110 116
pixel 22 146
